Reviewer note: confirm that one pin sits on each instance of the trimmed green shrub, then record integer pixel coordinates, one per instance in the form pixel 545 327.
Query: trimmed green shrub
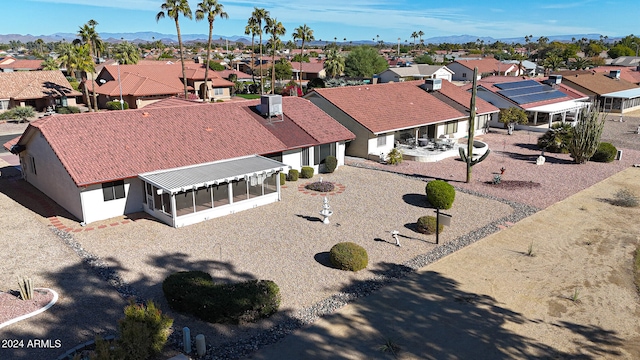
pixel 427 225
pixel 348 256
pixel 321 186
pixel 394 157
pixel 606 152
pixel 293 175
pixel 306 172
pixel 330 163
pixel 440 194
pixel 195 293
pixel 283 178
pixel 68 110
pixel 115 105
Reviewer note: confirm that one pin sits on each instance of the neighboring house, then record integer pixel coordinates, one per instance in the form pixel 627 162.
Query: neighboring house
pixel 40 89
pixel 181 164
pixel 10 64
pixel 381 114
pixel 529 68
pixel 544 100
pixel 609 90
pixel 627 61
pixel 630 74
pixel 415 72
pixel 463 69
pixel 310 70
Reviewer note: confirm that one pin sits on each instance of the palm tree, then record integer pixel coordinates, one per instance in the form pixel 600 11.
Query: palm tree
pixel 66 57
pixel 334 64
pixel 50 64
pixel 173 10
pixel 420 34
pixel 580 63
pixel 89 36
pixel 211 9
pixel 414 36
pixel 552 62
pixel 252 28
pixel 260 15
pixel 276 29
pixel 83 61
pixel 127 53
pixel 305 34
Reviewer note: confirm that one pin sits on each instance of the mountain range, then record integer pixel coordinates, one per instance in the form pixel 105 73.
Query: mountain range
pixel 149 36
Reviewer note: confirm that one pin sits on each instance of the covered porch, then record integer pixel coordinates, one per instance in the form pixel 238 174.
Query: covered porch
pixel 188 195
pixel 542 117
pixel 621 101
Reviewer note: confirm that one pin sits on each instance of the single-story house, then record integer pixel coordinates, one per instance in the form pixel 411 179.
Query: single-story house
pixel 40 89
pixel 415 72
pixel 181 163
pixel 463 69
pixel 545 100
pixel 310 70
pixel 613 93
pixel 627 61
pixel 10 64
pixel 382 114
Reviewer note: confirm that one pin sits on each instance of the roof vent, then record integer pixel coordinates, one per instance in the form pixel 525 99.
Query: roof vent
pixel 271 105
pixel 432 84
pixel 614 74
pixel 554 79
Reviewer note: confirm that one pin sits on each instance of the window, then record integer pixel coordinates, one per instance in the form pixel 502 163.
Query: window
pixel 255 185
pixel 451 127
pixel 481 121
pixel 218 91
pixel 239 189
pixel 382 140
pixel 464 75
pixel 32 165
pixel 270 185
pixel 184 203
pixel 113 190
pixel 203 199
pixel 220 194
pixel 304 157
pixel 321 152
pixel 4 104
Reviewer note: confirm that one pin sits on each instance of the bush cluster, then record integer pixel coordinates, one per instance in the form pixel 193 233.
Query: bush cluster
pixel 427 225
pixel 115 105
pixel 330 163
pixel 348 256
pixel 557 139
pixel 440 194
pixel 606 152
pixel 68 110
pixel 293 175
pixel 394 157
pixel 283 178
pixel 306 172
pixel 195 293
pixel 321 186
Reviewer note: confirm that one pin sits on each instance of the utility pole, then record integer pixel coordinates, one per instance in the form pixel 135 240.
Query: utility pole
pixel 472 123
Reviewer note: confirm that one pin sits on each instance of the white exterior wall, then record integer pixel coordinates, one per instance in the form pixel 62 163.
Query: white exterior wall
pixel 374 150
pixel 96 209
pixel 461 73
pixel 51 177
pixel 442 73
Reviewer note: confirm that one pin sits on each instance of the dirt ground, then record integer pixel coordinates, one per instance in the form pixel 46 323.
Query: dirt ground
pixel 575 298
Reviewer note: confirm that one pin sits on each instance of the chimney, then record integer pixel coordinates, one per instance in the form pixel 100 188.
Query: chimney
pixel 432 84
pixel 614 74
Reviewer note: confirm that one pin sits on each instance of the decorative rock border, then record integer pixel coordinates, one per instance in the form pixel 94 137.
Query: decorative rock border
pixel 33 313
pixel 339 189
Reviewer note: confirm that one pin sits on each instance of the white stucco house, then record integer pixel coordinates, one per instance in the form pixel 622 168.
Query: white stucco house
pixel 182 162
pixel 415 72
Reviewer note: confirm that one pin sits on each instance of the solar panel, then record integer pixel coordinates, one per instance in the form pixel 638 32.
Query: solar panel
pixel 535 97
pixel 526 90
pixel 517 84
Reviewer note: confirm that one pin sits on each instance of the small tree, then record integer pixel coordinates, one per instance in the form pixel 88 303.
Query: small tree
pixel 23 113
pixel 586 134
pixel 512 116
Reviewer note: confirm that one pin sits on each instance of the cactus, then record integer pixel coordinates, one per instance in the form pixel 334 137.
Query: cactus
pixel 26 288
pixel 463 156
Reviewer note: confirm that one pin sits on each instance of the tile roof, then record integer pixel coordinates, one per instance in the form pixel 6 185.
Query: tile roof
pixel 463 98
pixel 24 85
pixel 391 106
pixel 308 67
pixel 486 65
pixel 225 74
pixel 22 64
pixel 630 74
pixel 597 83
pixel 419 69
pixel 110 145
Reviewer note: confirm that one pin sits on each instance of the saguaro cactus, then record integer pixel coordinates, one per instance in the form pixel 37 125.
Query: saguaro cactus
pixel 469 159
pixel 26 288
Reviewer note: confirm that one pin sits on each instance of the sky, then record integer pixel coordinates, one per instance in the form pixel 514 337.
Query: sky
pixel 353 19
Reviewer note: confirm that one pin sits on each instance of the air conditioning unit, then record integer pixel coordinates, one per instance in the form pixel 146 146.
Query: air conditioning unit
pixel 554 79
pixel 271 105
pixel 432 84
pixel 614 74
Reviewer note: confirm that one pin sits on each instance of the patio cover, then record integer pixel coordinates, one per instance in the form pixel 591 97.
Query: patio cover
pixel 624 94
pixel 559 107
pixel 196 176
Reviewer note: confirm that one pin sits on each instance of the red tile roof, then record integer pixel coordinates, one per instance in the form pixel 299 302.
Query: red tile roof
pixel 486 65
pixel 225 74
pixel 308 67
pixel 24 85
pixel 110 145
pixel 463 98
pixel 391 106
pixel 630 74
pixel 21 64
pixel 598 83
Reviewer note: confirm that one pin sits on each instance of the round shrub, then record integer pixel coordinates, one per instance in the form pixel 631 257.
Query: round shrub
pixel 115 105
pixel 606 152
pixel 557 138
pixel 330 163
pixel 283 178
pixel 440 194
pixel 293 175
pixel 195 293
pixel 348 256
pixel 321 186
pixel 427 225
pixel 306 172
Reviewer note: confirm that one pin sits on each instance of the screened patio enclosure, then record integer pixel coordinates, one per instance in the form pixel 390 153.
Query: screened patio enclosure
pixel 188 195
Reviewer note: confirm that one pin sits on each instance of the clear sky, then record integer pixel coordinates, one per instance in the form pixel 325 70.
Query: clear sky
pixel 350 19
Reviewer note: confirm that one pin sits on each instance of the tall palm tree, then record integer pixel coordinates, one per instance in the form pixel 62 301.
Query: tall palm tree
pixel 334 64
pixel 303 33
pixel 276 29
pixel 127 53
pixel 414 36
pixel 209 9
pixel 173 10
pixel 420 34
pixel 252 28
pixel 259 15
pixel 66 57
pixel 50 64
pixel 89 36
pixel 83 61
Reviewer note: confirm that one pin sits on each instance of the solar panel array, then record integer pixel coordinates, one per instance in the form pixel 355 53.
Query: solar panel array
pixel 528 91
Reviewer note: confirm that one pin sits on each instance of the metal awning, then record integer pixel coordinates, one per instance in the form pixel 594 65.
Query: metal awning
pixel 624 94
pixel 197 176
pixel 559 107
